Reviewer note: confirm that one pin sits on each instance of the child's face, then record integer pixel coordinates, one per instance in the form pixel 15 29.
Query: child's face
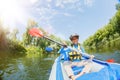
pixel 74 40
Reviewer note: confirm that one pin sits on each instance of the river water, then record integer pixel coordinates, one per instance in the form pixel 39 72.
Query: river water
pixel 33 67
pixel 36 66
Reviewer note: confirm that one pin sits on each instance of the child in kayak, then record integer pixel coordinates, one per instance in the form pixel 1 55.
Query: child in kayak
pixel 73 55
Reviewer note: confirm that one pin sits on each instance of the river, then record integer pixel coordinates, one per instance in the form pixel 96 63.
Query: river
pixel 36 66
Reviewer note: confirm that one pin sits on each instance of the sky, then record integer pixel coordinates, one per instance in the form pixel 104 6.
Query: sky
pixel 59 17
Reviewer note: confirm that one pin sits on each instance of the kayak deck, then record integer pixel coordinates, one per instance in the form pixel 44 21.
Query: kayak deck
pixel 100 70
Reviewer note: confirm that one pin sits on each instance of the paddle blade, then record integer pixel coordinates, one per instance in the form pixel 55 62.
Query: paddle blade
pixel 35 32
pixel 110 60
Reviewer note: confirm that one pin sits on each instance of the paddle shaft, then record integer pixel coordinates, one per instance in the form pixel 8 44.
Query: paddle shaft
pixel 53 41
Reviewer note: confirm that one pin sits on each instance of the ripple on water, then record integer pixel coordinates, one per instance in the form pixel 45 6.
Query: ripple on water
pixel 47 59
pixel 1 73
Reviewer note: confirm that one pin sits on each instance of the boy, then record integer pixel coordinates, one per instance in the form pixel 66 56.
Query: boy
pixel 74 55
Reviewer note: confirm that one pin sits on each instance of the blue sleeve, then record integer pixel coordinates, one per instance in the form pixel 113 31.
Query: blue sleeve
pixel 64 53
pixel 61 50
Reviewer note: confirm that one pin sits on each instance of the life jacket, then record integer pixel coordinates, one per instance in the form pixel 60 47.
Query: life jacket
pixel 73 55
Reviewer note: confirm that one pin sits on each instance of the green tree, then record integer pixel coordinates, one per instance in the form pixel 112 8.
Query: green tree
pixel 27 39
pixel 107 37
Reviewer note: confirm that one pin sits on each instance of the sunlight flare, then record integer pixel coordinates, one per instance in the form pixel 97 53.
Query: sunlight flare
pixel 11 12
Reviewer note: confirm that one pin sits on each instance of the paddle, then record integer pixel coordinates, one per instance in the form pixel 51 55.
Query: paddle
pixel 38 33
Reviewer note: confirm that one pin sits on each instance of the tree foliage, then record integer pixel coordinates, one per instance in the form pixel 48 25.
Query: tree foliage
pixel 106 38
pixel 8 44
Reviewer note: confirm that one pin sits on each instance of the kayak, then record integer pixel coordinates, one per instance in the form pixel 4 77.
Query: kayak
pixel 101 70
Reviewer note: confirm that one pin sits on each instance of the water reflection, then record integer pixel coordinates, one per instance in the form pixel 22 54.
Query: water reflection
pixel 107 55
pixel 26 68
